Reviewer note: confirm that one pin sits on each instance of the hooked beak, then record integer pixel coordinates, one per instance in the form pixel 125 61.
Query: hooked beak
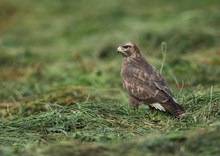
pixel 121 50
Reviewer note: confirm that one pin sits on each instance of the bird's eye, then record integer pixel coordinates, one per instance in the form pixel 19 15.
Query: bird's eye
pixel 126 47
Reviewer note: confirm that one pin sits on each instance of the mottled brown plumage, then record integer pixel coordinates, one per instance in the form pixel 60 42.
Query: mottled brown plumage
pixel 144 83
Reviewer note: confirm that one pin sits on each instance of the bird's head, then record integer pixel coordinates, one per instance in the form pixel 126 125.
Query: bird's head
pixel 128 49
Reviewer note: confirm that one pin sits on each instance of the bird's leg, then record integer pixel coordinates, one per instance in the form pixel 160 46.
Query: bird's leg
pixel 151 109
pixel 133 102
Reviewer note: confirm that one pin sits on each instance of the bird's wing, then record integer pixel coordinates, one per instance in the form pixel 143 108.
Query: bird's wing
pixel 159 82
pixel 144 85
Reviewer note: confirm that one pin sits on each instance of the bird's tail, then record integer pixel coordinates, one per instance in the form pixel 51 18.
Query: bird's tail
pixel 174 108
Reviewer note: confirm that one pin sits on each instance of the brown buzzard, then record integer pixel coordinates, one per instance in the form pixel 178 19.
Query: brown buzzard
pixel 144 83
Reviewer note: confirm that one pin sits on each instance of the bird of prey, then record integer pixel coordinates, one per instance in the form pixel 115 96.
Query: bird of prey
pixel 144 83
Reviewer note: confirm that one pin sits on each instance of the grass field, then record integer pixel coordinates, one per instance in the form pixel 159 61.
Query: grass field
pixel 60 86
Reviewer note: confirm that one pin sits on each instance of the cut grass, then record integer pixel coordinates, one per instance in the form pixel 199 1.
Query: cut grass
pixel 103 122
pixel 182 144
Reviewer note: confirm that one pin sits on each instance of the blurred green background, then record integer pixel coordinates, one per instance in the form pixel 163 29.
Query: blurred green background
pixel 59 56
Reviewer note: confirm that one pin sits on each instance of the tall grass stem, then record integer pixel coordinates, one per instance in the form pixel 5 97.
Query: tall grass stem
pixel 164 51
